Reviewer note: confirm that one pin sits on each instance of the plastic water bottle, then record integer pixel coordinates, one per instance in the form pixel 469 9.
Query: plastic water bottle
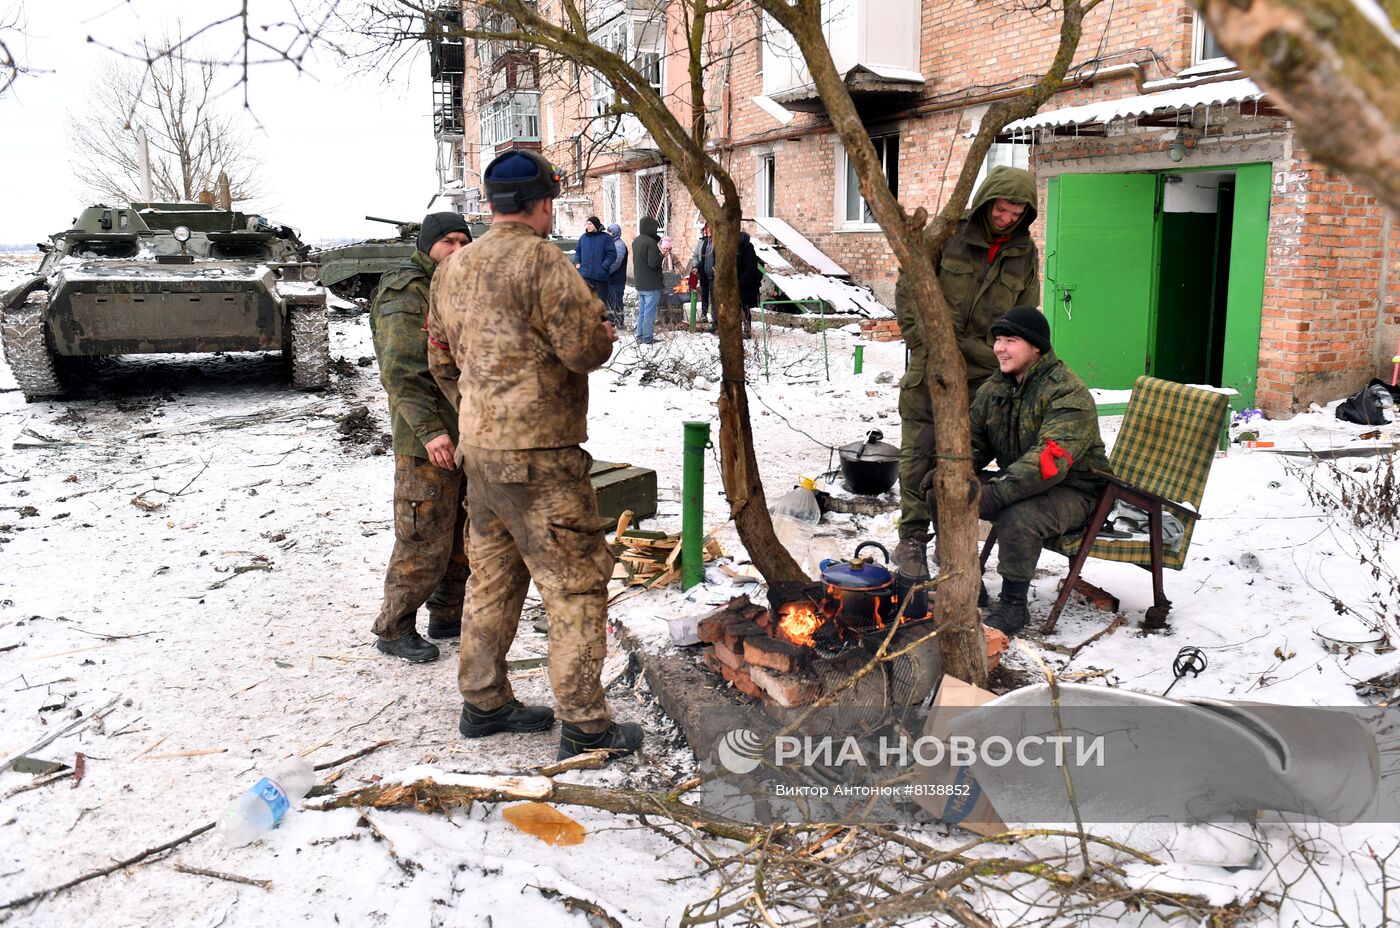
pixel 265 804
pixel 795 517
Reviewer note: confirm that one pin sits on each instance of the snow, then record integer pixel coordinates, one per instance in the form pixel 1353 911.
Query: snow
pixel 1105 111
pixel 845 298
pixel 798 244
pixel 233 623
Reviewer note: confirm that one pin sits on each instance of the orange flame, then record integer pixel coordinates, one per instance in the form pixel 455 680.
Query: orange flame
pixel 798 622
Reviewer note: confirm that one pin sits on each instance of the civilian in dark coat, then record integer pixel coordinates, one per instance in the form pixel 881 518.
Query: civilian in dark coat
pixel 617 276
pixel 594 255
pixel 750 279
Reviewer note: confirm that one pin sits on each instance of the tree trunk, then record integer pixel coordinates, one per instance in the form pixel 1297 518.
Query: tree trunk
pixel 1332 70
pixel 738 462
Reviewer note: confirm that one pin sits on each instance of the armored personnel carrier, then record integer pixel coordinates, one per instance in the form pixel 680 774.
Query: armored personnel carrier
pixel 352 272
pixel 155 278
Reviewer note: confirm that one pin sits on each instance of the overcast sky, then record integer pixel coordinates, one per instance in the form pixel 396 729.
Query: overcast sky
pixel 335 144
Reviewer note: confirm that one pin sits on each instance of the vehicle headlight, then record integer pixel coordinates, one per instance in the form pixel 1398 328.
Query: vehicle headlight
pixel 182 234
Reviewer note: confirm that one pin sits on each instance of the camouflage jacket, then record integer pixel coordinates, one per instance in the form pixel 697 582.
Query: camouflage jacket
pixel 514 331
pixel 979 292
pixel 1021 426
pixel 417 407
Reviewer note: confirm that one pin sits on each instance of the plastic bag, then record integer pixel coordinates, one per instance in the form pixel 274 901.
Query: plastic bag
pixel 1368 405
pixel 795 516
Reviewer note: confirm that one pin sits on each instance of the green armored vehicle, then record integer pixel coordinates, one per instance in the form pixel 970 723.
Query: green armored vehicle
pixel 352 272
pixel 157 278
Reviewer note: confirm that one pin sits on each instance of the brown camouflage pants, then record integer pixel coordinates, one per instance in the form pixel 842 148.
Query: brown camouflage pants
pixel 429 563
pixel 535 515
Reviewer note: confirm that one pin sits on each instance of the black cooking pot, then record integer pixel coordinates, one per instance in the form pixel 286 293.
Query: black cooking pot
pixel 870 467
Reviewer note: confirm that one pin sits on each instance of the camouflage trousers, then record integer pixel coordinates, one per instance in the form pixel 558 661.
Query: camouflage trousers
pixel 1023 528
pixel 916 459
pixel 429 561
pixel 535 515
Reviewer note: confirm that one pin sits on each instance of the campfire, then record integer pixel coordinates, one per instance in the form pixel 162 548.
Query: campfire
pixel 811 639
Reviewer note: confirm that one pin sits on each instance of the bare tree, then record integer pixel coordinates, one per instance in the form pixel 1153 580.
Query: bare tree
pixel 191 134
pixel 11 33
pixel 1333 66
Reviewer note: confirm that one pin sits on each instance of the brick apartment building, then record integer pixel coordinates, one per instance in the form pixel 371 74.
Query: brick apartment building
pixel 1184 231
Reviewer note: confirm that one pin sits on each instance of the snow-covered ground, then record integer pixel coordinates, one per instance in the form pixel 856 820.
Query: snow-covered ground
pixel 200 543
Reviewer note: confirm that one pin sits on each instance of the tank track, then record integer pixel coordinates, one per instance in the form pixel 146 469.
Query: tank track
pixel 27 350
pixel 310 346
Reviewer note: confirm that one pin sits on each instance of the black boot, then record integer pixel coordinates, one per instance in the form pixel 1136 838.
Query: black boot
pixel 1010 614
pixel 411 647
pixel 514 716
pixel 617 740
pixel 983 600
pixel 445 603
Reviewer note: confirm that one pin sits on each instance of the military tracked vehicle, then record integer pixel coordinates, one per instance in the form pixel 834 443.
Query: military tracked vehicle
pixel 155 278
pixel 352 272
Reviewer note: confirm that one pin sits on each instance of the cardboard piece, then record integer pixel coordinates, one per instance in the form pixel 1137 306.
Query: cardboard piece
pixel 969 806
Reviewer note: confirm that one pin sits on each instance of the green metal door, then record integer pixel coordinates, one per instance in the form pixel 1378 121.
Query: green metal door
pixel 1101 274
pixel 1249 249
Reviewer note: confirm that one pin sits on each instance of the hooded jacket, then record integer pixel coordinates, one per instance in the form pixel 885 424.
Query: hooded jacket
pixel 594 254
pixel 1043 432
pixel 617 268
pixel 646 256
pixel 979 291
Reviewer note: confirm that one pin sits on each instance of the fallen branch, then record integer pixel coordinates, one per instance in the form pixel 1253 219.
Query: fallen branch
pixel 429 796
pixel 230 877
pixel 107 871
pixel 356 756
pixel 36 783
pixel 50 739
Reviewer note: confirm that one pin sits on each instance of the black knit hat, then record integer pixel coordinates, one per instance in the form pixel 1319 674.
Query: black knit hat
pixel 1026 322
pixel 436 225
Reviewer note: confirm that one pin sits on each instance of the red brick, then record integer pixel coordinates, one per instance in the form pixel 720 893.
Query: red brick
pixel 727 655
pixel 785 689
pixel 763 651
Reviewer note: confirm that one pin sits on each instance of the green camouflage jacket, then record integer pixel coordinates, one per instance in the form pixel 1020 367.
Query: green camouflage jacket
pixel 419 411
pixel 1020 426
pixel 979 293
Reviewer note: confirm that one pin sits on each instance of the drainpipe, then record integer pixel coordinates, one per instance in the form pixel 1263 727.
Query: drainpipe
pixel 697 439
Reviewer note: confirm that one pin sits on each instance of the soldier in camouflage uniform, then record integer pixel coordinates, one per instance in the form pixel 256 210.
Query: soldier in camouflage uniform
pixel 429 563
pixel 988 266
pixel 1036 419
pixel 514 332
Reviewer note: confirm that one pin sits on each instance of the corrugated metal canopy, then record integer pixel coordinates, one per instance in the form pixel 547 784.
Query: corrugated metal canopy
pixel 1106 111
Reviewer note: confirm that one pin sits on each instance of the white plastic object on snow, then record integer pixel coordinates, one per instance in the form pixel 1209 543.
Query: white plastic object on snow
pixel 794 518
pixel 263 806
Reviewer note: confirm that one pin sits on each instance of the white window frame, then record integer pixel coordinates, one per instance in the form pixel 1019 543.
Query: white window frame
pixel 1200 32
pixel 843 221
pixel 611 187
pixel 511 117
pixel 765 195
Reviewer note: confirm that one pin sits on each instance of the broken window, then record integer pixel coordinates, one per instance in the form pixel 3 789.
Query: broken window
pixel 856 210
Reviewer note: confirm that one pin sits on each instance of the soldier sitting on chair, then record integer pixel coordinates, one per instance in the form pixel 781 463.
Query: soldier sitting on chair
pixel 1037 420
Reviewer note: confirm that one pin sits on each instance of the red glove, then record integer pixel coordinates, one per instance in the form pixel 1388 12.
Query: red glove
pixel 1048 468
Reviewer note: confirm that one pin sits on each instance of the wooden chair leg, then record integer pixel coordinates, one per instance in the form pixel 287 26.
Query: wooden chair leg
pixel 1091 532
pixel 1156 617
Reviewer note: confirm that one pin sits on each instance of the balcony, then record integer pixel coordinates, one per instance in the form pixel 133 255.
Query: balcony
pixel 874 44
pixel 511 121
pixel 513 69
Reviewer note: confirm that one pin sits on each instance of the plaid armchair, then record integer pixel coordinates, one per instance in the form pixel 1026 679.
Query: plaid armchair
pixel 1160 462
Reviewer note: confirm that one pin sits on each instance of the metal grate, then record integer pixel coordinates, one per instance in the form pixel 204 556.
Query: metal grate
pixel 652 198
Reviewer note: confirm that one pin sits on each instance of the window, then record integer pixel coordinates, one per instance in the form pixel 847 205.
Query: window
pixel 1206 47
pixel 611 207
pixel 648 43
pixel 651 195
pixel 766 184
pixel 513 117
pixel 854 211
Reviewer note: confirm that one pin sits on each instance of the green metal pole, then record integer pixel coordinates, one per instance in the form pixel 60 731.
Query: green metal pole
pixel 860 358
pixel 697 438
pixel 692 310
pixel 826 358
pixel 765 340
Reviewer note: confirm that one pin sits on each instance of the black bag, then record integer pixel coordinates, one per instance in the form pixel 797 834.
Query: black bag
pixel 1364 407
